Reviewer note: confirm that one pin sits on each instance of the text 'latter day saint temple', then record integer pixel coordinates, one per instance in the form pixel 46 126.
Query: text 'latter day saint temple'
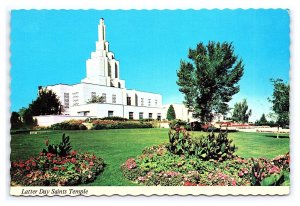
pixel 103 80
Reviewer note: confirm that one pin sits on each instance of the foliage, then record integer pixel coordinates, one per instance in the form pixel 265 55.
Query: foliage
pixel 109 124
pixel 15 120
pixel 275 173
pixel 171 113
pixel 115 118
pixel 47 103
pixel 209 79
pixel 177 123
pixel 211 147
pixel 56 166
pixel 280 101
pixel 96 99
pixel 28 118
pixel 157 166
pixel 69 125
pixel 241 112
pixel 63 149
pixel 262 121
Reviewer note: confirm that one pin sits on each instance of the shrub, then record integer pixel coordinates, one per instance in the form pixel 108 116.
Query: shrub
pixel 62 150
pixel 108 124
pixel 69 125
pixel 210 147
pixel 115 118
pixel 178 123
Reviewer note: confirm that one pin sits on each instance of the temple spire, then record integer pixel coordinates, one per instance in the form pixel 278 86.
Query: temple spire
pixel 101 30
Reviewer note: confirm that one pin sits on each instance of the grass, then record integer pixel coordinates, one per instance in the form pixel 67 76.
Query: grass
pixel 116 146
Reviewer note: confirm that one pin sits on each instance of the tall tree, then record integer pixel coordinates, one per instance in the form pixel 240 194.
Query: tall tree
pixel 241 112
pixel 280 102
pixel 46 103
pixel 171 113
pixel 209 78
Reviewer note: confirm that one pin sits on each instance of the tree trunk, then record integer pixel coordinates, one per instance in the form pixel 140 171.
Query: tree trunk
pixel 278 131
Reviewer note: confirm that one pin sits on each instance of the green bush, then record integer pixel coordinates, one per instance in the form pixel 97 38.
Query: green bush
pixel 114 118
pixel 210 147
pixel 177 123
pixel 68 126
pixel 120 125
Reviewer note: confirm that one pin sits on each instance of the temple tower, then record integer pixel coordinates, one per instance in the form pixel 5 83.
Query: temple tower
pixel 102 68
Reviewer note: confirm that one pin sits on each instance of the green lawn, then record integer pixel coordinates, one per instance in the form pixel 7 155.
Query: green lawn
pixel 115 146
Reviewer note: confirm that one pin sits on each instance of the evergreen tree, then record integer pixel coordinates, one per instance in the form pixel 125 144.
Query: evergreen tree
pixel 209 79
pixel 263 120
pixel 171 115
pixel 241 112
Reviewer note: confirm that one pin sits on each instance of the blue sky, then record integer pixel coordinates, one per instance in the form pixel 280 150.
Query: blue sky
pixel 50 47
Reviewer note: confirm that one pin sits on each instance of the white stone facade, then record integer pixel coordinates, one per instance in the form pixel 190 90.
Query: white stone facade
pixel 103 79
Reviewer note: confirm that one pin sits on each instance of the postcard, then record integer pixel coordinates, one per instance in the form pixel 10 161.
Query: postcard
pixel 144 102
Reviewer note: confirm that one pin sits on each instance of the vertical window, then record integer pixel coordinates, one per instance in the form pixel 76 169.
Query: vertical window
pixel 109 70
pixel 128 100
pixel 75 98
pixel 159 116
pixel 66 100
pixel 141 114
pixel 104 97
pixel 110 113
pixel 130 115
pixel 149 102
pixel 150 115
pixel 114 99
pixel 156 102
pixel 116 70
pixel 142 101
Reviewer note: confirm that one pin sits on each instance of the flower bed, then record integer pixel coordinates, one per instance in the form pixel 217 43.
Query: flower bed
pixel 158 166
pixel 50 170
pixel 57 165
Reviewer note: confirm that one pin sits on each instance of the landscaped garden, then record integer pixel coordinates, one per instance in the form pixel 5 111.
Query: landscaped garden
pixel 133 148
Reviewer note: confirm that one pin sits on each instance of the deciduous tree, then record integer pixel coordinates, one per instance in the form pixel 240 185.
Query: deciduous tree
pixel 210 78
pixel 280 102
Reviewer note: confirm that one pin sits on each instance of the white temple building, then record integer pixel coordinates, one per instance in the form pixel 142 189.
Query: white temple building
pixel 103 79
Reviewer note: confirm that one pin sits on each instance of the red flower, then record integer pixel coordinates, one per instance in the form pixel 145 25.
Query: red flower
pixel 21 165
pixel 91 163
pixel 27 168
pixel 73 153
pixel 63 168
pixel 73 160
pixel 188 183
pixel 55 168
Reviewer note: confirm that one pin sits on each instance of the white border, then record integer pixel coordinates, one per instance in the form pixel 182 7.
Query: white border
pixel 5 6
